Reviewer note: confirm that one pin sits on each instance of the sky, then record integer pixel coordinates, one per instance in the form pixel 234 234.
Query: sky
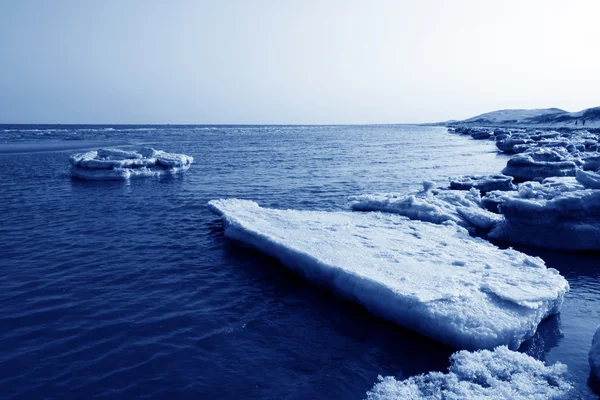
pixel 293 62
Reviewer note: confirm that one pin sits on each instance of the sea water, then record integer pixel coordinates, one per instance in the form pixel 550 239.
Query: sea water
pixel 130 289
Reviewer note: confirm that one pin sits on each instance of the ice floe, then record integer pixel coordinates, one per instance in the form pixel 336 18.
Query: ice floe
pixel 540 163
pixel 116 164
pixel 462 207
pixel 558 214
pixel 484 183
pixel 433 279
pixel 494 375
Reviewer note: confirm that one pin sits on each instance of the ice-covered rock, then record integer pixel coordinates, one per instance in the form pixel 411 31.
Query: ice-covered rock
pixel 484 183
pixel 430 205
pixel 434 279
pixel 116 164
pixel 540 163
pixel 500 374
pixel 594 355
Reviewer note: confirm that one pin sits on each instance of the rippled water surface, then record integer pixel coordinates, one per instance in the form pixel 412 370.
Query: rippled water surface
pixel 130 290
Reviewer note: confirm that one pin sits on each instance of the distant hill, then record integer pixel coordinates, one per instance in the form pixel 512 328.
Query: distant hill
pixel 546 117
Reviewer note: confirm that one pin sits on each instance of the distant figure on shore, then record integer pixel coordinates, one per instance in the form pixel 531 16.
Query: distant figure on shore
pixel 583 122
pixel 576 122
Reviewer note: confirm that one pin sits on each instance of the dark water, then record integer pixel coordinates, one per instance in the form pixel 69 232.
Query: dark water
pixel 130 290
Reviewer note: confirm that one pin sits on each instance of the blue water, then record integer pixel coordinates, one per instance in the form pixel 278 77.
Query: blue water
pixel 130 290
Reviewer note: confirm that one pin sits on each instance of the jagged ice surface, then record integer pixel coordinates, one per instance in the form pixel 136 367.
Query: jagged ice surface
pixel 116 164
pixel 493 375
pixel 594 355
pixel 433 279
pixel 431 205
pixel 558 214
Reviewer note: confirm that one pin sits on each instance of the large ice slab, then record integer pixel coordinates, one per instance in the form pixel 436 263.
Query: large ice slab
pixel 431 205
pixel 434 279
pixel 116 164
pixel 494 375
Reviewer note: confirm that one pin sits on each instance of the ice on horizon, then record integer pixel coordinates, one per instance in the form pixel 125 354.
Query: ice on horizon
pixel 116 164
pixel 433 279
pixel 493 375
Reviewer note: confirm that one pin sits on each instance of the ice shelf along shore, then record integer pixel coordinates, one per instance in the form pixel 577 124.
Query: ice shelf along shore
pixel 493 375
pixel 116 164
pixel 436 280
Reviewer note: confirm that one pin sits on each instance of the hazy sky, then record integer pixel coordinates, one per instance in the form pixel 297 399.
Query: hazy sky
pixel 328 61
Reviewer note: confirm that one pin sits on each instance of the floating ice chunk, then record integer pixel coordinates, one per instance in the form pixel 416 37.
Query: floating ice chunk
pixel 103 159
pixel 481 135
pixel 594 355
pixel 116 164
pixel 556 214
pixel 165 159
pixel 548 189
pixel 494 375
pixel 484 183
pixel 508 145
pixel 479 217
pixel 588 179
pixel 436 206
pixel 540 163
pixel 434 279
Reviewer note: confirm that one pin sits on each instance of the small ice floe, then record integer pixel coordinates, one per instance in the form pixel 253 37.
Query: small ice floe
pixel 480 375
pixel 590 180
pixel 116 164
pixel 540 163
pixel 559 214
pixel 483 183
pixel 462 207
pixel 594 355
pixel 433 279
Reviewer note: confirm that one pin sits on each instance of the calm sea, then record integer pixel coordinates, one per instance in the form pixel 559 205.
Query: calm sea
pixel 130 290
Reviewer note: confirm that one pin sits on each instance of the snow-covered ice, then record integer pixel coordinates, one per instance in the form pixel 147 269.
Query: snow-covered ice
pixel 500 374
pixel 540 163
pixel 434 279
pixel 558 213
pixel 484 183
pixel 116 164
pixel 594 355
pixel 431 205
